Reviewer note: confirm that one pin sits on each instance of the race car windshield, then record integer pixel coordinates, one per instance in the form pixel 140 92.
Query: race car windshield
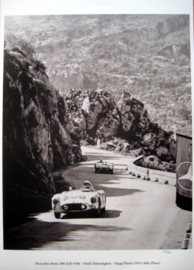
pixel 86 190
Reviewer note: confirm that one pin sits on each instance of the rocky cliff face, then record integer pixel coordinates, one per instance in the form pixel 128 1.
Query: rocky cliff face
pixel 36 140
pixel 96 115
pixel 95 112
pixel 140 132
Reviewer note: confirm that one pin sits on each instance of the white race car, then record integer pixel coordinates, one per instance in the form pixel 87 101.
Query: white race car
pixel 79 200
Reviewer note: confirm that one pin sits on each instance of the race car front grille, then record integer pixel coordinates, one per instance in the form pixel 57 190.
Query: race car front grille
pixel 76 207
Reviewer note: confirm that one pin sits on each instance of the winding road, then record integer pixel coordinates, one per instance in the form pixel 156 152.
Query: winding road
pixel 139 214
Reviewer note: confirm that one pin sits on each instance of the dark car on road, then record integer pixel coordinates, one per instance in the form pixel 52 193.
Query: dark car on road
pixel 104 167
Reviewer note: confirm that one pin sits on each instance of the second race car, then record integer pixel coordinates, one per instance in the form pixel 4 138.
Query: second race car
pixel 103 166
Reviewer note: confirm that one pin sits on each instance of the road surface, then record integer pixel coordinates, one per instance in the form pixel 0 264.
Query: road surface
pixel 139 214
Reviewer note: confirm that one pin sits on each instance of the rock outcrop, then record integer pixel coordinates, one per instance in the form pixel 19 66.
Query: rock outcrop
pixel 36 140
pixel 94 114
pixel 125 125
pixel 140 132
pixel 153 162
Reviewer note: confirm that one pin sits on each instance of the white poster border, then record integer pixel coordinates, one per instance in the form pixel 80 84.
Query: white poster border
pixel 78 260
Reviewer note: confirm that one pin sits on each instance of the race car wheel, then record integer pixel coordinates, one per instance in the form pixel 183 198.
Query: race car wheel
pixel 96 170
pixel 57 215
pixel 98 211
pixel 103 210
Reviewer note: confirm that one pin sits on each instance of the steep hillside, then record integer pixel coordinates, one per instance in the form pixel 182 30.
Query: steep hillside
pixel 148 55
pixel 35 138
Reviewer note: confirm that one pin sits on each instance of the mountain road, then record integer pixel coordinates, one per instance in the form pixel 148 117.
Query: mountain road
pixel 139 214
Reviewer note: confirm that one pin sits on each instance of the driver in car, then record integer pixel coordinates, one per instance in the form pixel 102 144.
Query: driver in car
pixel 88 185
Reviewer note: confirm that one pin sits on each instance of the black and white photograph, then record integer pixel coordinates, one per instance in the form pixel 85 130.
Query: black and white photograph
pixel 97 136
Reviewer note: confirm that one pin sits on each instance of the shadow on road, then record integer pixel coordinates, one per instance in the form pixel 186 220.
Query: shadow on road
pixel 113 192
pixel 107 214
pixel 100 181
pixel 38 233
